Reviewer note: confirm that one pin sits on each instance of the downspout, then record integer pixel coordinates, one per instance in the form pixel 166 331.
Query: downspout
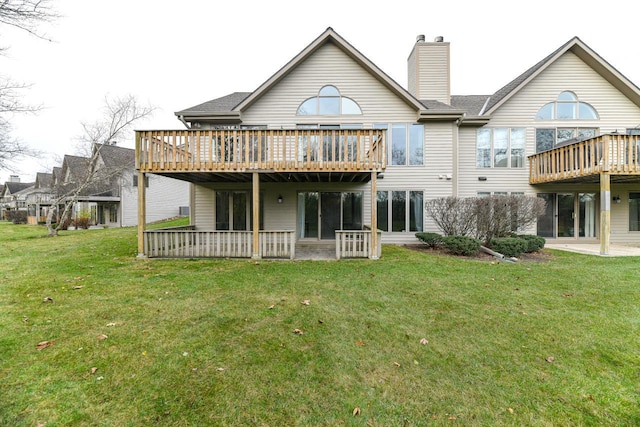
pixel 184 122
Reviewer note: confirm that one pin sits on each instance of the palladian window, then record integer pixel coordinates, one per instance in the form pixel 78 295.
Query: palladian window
pixel 567 107
pixel 328 102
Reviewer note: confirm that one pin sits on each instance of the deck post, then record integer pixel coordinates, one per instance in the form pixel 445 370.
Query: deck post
pixel 142 211
pixel 255 254
pixel 374 216
pixel 605 212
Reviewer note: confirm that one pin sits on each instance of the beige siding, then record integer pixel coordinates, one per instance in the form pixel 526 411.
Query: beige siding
pixel 615 111
pixel 328 66
pixel 428 72
pixel 164 198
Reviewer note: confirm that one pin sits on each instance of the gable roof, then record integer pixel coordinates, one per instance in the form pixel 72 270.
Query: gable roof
pixel 116 157
pixel 229 107
pixel 43 180
pixel 15 187
pixel 582 51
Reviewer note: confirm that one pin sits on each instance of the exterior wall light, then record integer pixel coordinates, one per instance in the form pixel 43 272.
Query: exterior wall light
pixel 280 199
pixel 616 199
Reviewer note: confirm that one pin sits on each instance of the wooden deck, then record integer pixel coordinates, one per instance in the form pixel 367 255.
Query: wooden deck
pixel 278 152
pixel 584 161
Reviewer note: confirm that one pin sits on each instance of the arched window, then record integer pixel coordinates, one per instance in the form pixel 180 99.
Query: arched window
pixel 328 102
pixel 567 107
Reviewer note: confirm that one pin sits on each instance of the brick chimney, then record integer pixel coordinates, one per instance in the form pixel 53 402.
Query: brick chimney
pixel 428 70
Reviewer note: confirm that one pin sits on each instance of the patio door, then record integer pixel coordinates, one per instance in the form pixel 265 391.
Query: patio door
pixel 320 214
pixel 571 215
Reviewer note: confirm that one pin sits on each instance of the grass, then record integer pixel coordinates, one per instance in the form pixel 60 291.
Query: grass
pixel 212 342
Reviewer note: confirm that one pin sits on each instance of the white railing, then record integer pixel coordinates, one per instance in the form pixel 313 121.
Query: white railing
pixel 186 242
pixel 357 244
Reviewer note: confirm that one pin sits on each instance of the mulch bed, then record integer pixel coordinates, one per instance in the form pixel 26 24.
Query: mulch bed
pixel 541 256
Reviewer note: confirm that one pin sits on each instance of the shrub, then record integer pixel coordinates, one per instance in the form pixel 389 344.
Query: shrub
pixel 432 240
pixel 64 225
pixel 534 243
pixel 509 246
pixel 81 222
pixel 17 217
pixel 461 245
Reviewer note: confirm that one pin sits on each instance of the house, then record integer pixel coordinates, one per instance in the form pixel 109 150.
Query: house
pixel 14 195
pixel 39 200
pixel 109 196
pixel 330 148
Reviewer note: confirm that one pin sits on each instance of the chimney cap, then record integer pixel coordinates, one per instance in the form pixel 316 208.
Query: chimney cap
pixel 420 38
pixel 438 39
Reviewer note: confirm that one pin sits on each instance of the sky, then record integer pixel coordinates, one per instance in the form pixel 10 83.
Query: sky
pixel 174 55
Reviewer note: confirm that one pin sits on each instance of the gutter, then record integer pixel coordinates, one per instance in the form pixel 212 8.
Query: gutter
pixel 184 122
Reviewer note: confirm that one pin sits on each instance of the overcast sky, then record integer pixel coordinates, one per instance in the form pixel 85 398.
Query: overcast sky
pixel 175 55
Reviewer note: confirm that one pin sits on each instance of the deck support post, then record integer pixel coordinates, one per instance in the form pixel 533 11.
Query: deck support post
pixel 374 216
pixel 605 212
pixel 142 211
pixel 255 254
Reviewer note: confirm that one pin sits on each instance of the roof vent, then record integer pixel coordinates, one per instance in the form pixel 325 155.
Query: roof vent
pixel 420 38
pixel 439 39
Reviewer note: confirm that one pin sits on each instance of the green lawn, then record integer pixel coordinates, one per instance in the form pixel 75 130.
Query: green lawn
pixel 212 342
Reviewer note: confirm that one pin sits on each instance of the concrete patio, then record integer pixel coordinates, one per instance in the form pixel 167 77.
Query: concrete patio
pixel 594 249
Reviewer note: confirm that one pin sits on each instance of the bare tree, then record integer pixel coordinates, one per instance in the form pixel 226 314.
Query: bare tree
pixel 25 15
pixel 93 176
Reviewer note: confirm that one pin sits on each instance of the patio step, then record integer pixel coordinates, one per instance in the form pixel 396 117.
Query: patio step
pixel 320 250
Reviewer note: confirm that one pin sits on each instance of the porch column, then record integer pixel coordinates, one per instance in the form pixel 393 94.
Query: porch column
pixel 605 212
pixel 142 212
pixel 256 216
pixel 374 216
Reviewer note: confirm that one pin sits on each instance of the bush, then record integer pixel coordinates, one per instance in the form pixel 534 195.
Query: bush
pixel 432 240
pixel 17 217
pixel 81 222
pixel 461 245
pixel 509 246
pixel 64 225
pixel 534 243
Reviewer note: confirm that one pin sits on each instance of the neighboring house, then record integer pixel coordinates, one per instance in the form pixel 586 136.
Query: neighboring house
pixel 329 148
pixel 110 197
pixel 14 195
pixel 39 199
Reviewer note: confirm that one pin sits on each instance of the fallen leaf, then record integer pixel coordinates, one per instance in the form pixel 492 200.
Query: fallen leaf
pixel 185 354
pixel 320 321
pixel 396 364
pixel 99 378
pixel 271 306
pixel 356 411
pixel 219 369
pixel 305 302
pixel 550 359
pixel 360 343
pixel 452 418
pixel 424 341
pixel 510 410
pixel 47 299
pixel 567 295
pixel 41 424
pixel 93 370
pixel 102 337
pixel 44 344
pixel 77 287
pixel 298 331
pixel 111 324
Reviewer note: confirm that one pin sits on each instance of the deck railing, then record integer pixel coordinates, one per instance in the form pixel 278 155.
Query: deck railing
pixel 349 150
pixel 186 242
pixel 616 154
pixel 357 244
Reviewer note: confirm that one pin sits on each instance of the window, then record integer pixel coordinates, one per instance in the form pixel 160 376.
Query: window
pixel 135 180
pixel 328 102
pixel 567 107
pixel 500 147
pixel 404 213
pixel 547 139
pixel 634 211
pixel 113 213
pixel 234 210
pixel 407 143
